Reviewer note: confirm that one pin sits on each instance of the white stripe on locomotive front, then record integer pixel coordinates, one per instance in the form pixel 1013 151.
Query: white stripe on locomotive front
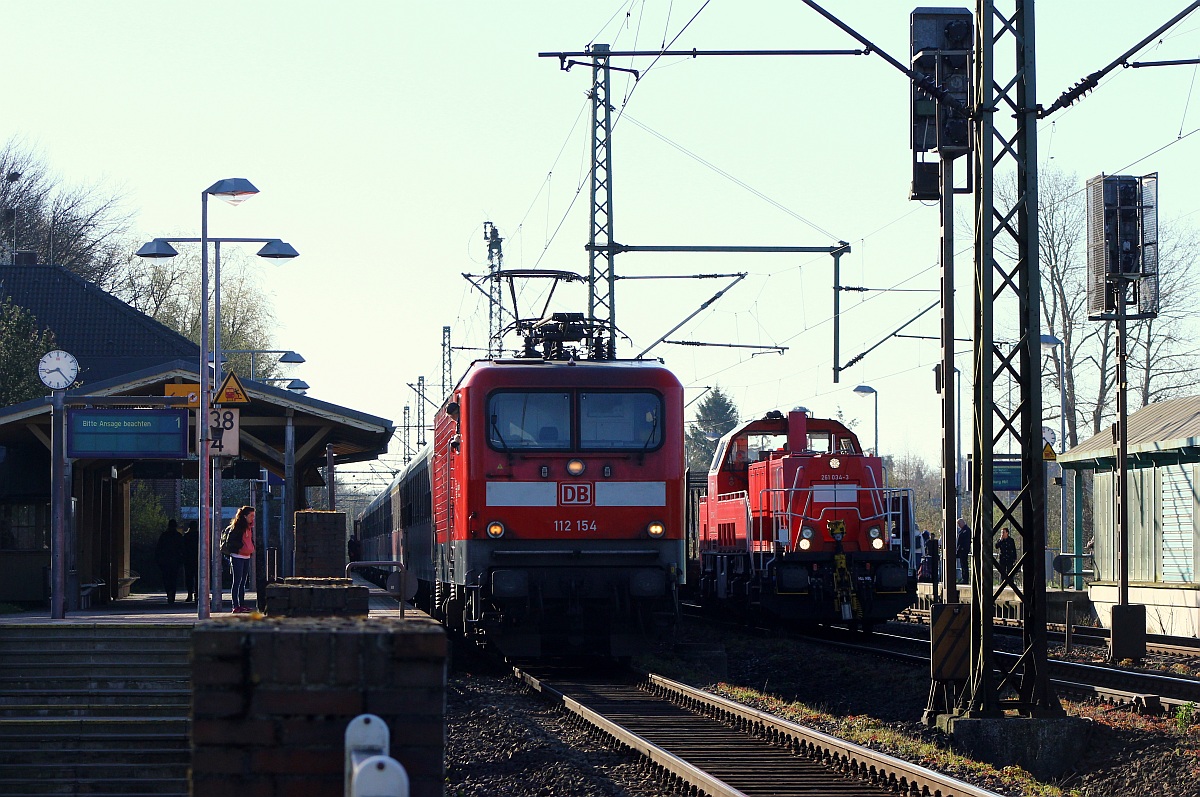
pixel 608 494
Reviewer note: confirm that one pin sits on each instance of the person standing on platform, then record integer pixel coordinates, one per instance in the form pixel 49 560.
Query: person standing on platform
pixel 242 530
pixel 191 555
pixel 1008 552
pixel 962 550
pixel 354 549
pixel 168 555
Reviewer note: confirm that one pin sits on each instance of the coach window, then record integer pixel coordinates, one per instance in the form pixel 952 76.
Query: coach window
pixel 620 420
pixel 529 421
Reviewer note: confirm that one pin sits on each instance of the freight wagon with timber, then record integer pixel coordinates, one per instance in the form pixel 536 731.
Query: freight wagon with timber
pixel 797 523
pixel 546 517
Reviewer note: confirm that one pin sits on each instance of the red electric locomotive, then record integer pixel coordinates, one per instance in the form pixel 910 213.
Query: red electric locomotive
pixel 546 517
pixel 798 522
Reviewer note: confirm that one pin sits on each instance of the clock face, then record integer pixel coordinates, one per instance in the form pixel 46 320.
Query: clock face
pixel 58 369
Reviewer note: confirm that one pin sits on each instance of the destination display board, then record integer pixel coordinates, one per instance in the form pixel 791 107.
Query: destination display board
pixel 127 434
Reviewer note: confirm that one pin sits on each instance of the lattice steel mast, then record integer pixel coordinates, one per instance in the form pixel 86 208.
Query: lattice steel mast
pixel 602 311
pixel 1007 121
pixel 495 245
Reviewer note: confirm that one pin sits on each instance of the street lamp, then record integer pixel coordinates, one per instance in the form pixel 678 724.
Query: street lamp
pixel 867 390
pixel 1050 343
pixel 294 385
pixel 287 356
pixel 234 191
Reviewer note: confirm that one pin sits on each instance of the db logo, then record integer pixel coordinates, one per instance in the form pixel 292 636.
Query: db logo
pixel 576 494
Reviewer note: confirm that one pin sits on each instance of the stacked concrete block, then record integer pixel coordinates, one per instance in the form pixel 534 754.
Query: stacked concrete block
pixel 316 597
pixel 320 543
pixel 271 700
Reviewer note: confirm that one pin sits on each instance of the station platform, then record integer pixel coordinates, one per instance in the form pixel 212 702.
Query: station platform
pixel 153 608
pixel 1008 605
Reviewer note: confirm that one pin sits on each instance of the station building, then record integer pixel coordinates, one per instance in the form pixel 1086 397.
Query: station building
pixel 122 352
pixel 1164 514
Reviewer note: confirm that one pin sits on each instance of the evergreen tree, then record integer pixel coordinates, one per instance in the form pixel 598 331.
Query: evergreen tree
pixel 22 344
pixel 715 416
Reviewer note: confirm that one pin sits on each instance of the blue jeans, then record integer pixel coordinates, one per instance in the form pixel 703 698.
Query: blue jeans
pixel 241 574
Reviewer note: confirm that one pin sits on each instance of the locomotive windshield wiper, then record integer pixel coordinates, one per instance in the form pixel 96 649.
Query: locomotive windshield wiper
pixel 650 435
pixel 500 437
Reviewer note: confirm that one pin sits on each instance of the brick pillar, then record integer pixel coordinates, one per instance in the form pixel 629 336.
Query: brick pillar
pixel 320 543
pixel 271 700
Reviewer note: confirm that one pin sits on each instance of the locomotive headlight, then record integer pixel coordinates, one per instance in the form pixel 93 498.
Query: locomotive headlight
pixel 576 467
pixel 805 543
pixel 807 533
pixel 656 529
pixel 495 529
pixel 877 544
pixel 874 532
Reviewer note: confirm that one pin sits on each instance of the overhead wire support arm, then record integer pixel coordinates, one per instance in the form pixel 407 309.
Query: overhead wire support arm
pixel 780 349
pixel 858 358
pixel 698 310
pixel 924 82
pixel 565 61
pixel 1091 81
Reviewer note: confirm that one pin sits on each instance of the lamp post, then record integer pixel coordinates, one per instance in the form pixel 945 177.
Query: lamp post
pixel 867 390
pixel 286 355
pixel 1050 343
pixel 234 190
pixel 294 385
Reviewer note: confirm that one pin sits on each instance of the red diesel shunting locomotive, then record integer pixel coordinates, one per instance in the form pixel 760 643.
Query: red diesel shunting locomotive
pixel 546 517
pixel 798 521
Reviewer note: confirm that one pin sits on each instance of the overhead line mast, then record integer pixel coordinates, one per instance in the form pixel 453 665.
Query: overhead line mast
pixel 602 246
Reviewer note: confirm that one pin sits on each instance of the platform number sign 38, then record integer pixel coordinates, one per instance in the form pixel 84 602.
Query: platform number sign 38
pixel 224 432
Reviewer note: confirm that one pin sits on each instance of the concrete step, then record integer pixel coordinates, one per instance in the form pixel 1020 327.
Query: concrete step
pixel 47 768
pixel 39 710
pixel 46 728
pixel 97 698
pixel 72 630
pixel 93 681
pixel 12 749
pixel 40 667
pixel 174 787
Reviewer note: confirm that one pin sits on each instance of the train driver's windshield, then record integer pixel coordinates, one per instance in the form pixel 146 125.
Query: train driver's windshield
pixel 620 420
pixel 518 420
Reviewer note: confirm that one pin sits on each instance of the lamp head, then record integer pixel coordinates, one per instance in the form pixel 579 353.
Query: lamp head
pixel 865 390
pixel 291 357
pixel 297 385
pixel 278 249
pixel 157 248
pixel 1049 342
pixel 234 190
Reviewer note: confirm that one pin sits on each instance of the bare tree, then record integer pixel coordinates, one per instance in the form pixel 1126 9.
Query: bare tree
pixel 82 228
pixel 1163 356
pixel 168 290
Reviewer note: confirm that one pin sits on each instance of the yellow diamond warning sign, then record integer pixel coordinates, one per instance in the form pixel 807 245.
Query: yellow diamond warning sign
pixel 231 391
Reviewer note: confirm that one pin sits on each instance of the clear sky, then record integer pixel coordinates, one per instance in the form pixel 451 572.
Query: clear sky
pixel 382 136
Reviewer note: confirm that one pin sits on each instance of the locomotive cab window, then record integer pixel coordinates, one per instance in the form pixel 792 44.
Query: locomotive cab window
pixel 821 442
pixel 529 421
pixel 620 420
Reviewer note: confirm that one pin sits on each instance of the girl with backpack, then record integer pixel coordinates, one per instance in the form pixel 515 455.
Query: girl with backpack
pixel 238 543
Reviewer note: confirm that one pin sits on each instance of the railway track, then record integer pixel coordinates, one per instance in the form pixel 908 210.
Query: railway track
pixel 1147 691
pixel 709 745
pixel 1156 644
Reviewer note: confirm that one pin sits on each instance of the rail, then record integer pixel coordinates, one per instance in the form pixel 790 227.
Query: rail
pixel 403 586
pixel 370 771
